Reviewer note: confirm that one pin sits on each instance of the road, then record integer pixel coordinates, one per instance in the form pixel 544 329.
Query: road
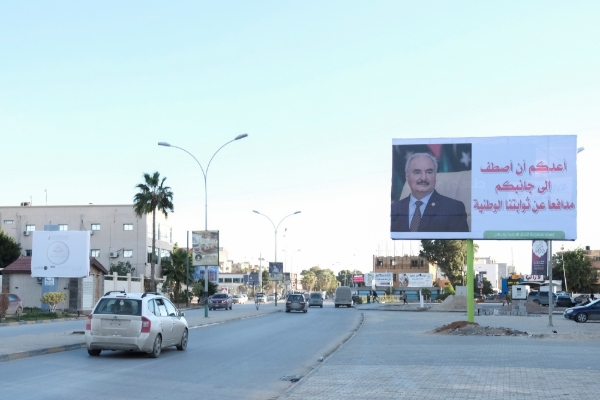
pixel 241 359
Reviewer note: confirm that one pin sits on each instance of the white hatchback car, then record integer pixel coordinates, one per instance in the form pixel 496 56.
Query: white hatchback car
pixel 135 322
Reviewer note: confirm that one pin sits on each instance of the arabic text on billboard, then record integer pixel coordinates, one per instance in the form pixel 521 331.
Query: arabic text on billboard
pixel 383 279
pixel 511 187
pixel 60 254
pixel 539 257
pixel 206 247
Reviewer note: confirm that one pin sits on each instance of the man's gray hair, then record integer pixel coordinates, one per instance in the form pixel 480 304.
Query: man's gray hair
pixel 413 156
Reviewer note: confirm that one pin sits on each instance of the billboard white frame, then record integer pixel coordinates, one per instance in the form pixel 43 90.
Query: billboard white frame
pixel 60 254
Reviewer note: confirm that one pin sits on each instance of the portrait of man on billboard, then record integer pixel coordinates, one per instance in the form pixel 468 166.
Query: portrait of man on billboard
pixel 420 207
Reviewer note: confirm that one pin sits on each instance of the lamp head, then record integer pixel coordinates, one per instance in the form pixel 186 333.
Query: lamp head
pixel 254 211
pixel 297 212
pixel 243 135
pixel 580 149
pixel 164 144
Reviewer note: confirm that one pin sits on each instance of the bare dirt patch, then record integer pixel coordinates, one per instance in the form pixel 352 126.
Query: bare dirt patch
pixel 464 328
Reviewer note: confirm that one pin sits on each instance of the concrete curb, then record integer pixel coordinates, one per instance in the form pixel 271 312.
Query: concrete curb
pixel 39 321
pixel 40 352
pixel 232 320
pixel 345 340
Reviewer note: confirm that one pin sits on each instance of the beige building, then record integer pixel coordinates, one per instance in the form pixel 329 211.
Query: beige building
pixel 404 265
pixel 594 256
pixel 117 234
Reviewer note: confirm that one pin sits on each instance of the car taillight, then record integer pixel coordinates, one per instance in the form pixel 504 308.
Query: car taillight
pixel 302 303
pixel 146 325
pixel 88 324
pixel 288 302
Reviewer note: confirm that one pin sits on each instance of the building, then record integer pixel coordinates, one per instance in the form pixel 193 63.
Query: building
pixel 117 234
pixel 594 256
pixel 407 265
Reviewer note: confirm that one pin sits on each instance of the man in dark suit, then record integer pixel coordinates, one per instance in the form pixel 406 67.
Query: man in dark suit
pixel 425 210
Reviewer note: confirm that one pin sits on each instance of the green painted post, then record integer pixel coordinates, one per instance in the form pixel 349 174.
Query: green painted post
pixel 470 280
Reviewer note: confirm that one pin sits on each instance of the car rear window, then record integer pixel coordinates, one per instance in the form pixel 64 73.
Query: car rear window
pixel 220 296
pixel 296 297
pixel 315 296
pixel 119 307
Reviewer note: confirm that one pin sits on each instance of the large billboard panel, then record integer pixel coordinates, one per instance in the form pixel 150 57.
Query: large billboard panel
pixel 213 273
pixel 60 254
pixel 275 271
pixel 415 280
pixel 205 245
pixel 383 279
pixel 509 187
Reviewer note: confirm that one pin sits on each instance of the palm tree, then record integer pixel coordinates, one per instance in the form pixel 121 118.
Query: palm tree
pixel 153 195
pixel 176 271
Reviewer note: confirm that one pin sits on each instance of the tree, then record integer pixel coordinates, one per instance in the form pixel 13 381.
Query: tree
pixel 176 271
pixel 344 277
pixel 152 196
pixel 53 299
pixel 581 277
pixel 242 289
pixel 198 288
pixel 449 255
pixel 121 268
pixel 4 302
pixel 487 287
pixel 9 250
pixel 308 279
pixel 266 283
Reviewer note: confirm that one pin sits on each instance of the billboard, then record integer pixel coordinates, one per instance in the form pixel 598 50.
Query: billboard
pixel 60 254
pixel 383 279
pixel 539 257
pixel 213 273
pixel 509 187
pixel 415 280
pixel 358 278
pixel 275 271
pixel 205 245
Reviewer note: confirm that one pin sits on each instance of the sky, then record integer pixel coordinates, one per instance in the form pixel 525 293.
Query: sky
pixel 87 90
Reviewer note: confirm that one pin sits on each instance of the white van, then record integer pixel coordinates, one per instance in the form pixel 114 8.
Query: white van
pixel 343 296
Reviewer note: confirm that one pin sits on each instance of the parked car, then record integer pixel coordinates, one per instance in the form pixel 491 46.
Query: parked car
pixel 220 300
pixel 271 297
pixel 479 298
pixel 584 313
pixel 316 299
pixel 238 299
pixel 541 298
pixel 581 298
pixel 296 302
pixel 15 304
pixel 145 322
pixel 563 300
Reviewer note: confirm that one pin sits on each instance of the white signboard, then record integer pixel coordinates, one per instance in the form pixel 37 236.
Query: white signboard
pixel 369 278
pixel 60 254
pixel 534 278
pixel 383 279
pixel 501 188
pixel 415 280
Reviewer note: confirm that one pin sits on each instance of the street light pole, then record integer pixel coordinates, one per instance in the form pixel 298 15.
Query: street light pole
pixel 205 175
pixel 562 256
pixel 276 227
pixel 292 281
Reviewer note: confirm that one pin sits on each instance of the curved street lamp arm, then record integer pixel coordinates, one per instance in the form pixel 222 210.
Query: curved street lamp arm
pixel 266 218
pixel 283 219
pixel 200 165
pixel 213 156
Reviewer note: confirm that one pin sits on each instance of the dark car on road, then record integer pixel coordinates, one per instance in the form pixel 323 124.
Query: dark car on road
pixel 584 313
pixel 541 298
pixel 563 300
pixel 296 302
pixel 220 300
pixel 316 299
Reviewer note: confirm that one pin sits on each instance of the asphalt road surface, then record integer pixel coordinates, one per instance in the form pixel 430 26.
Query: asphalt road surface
pixel 241 359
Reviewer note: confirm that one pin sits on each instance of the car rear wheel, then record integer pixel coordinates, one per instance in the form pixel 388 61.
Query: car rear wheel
pixel 184 340
pixel 581 317
pixel 94 352
pixel 321 305
pixel 156 349
pixel 337 305
pixel 231 307
pixel 305 311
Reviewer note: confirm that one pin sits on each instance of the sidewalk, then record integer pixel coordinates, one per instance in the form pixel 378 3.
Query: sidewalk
pixel 23 346
pixel 396 355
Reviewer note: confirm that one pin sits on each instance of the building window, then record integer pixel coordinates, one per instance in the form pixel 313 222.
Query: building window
pixel 227 280
pixel 237 280
pixel 8 222
pixel 95 253
pixel 127 253
pixel 95 227
pixel 127 227
pixel 30 228
pixel 28 253
pixel 63 227
pixel 220 280
pixel 379 262
pixel 394 261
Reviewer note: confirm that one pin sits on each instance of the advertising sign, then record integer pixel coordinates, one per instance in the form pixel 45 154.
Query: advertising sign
pixel 213 273
pixel 60 254
pixel 502 188
pixel 384 279
pixel 539 257
pixel 534 278
pixel 358 278
pixel 275 271
pixel 205 245
pixel 415 280
pixel 369 278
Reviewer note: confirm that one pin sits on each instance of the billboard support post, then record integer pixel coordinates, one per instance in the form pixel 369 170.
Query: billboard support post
pixel 551 283
pixel 470 281
pixel 187 267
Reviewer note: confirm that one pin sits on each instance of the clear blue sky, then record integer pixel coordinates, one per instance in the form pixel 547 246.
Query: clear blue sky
pixel 88 89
